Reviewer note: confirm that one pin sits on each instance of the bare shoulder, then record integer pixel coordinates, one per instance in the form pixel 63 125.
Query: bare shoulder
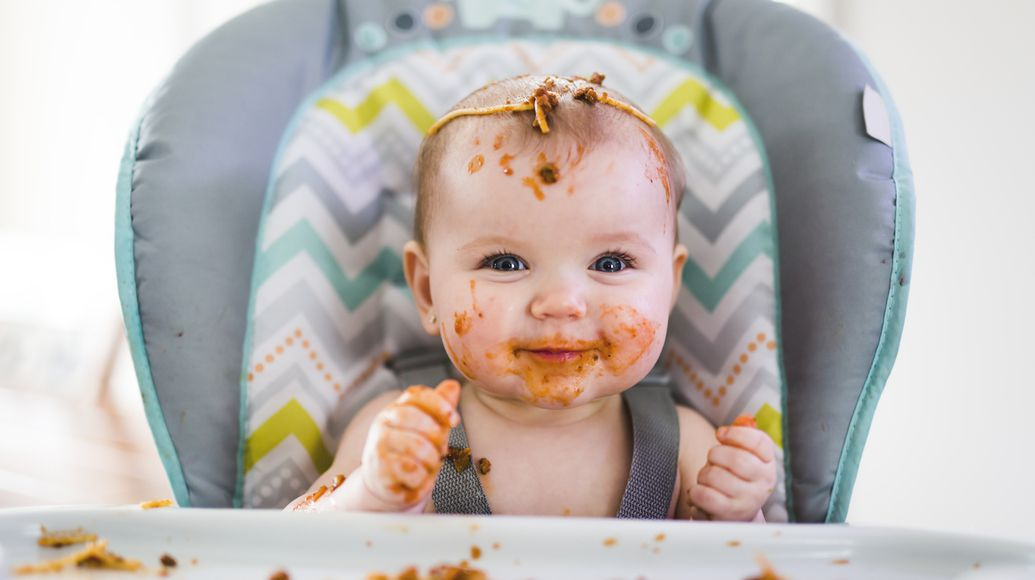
pixel 693 425
pixel 350 448
pixel 696 437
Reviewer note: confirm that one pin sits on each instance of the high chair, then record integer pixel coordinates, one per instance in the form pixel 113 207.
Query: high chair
pixel 266 192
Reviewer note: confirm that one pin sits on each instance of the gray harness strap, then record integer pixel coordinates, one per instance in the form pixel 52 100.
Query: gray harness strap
pixel 459 492
pixel 655 457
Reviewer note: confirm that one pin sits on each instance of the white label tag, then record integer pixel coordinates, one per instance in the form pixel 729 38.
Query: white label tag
pixel 875 116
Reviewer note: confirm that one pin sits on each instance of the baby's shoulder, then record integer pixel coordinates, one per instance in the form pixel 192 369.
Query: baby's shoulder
pixel 350 447
pixel 696 437
pixel 693 424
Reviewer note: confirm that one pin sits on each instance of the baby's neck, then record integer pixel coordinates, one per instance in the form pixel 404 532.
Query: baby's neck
pixel 521 413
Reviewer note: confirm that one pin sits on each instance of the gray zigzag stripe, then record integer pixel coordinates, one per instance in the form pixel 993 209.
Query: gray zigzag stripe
pixel 354 225
pixel 394 135
pixel 712 354
pixel 282 494
pixel 294 372
pixel 703 159
pixel 347 152
pixel 300 300
pixel 763 380
pixel 353 156
pixel 360 167
pixel 712 224
pixel 402 212
pixel 389 149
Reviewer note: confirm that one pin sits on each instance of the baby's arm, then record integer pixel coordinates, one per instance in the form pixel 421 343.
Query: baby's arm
pixel 726 473
pixel 390 453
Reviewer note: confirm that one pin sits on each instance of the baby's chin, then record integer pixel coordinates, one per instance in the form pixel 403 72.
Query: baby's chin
pixel 557 394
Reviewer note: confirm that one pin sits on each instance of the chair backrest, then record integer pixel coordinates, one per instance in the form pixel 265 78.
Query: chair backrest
pixel 345 89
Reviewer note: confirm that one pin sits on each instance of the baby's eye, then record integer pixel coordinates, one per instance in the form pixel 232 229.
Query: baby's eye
pixel 504 263
pixel 611 263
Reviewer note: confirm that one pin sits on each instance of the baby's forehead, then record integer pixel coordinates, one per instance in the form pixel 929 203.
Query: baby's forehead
pixel 513 137
pixel 494 174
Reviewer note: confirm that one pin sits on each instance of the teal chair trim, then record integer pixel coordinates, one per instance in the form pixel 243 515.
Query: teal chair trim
pixel 125 268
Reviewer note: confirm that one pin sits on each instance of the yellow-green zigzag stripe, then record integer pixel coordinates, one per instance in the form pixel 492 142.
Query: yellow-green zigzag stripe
pixel 291 419
pixel 693 93
pixel 768 419
pixel 357 118
pixel 690 93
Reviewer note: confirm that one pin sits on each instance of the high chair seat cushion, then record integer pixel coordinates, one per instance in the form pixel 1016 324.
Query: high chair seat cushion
pixel 190 191
pixel 329 302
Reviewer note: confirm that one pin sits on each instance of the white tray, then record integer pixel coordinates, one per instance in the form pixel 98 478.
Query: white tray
pixel 253 544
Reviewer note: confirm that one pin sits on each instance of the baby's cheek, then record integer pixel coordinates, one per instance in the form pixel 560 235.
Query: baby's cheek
pixel 628 337
pixel 471 338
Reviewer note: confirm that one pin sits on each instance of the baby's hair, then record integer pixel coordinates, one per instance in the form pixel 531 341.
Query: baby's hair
pixel 530 110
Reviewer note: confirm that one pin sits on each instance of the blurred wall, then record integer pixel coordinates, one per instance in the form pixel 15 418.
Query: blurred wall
pixel 73 76
pixel 953 441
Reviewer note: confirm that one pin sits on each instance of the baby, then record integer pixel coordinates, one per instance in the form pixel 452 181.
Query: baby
pixel 546 258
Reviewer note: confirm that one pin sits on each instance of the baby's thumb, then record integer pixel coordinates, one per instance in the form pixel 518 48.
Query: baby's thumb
pixel 449 390
pixel 745 421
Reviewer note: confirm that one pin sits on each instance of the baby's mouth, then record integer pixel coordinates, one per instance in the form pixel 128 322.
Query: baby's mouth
pixel 559 355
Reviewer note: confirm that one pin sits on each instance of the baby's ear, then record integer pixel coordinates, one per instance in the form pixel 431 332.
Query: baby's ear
pixel 418 278
pixel 679 255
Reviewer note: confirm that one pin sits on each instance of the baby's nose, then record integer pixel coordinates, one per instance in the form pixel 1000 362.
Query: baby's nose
pixel 559 300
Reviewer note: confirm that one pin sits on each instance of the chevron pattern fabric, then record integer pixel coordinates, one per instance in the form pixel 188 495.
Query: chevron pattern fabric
pixel 329 302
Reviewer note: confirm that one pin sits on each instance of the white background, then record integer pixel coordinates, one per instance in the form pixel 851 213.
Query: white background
pixel 951 445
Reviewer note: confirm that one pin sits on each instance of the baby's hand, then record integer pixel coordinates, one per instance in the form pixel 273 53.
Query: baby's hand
pixel 406 444
pixel 739 476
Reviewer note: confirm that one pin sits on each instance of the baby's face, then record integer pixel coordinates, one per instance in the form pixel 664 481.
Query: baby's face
pixel 552 271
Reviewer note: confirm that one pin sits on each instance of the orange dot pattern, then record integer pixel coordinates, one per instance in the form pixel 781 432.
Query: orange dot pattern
pixel 296 340
pixel 715 393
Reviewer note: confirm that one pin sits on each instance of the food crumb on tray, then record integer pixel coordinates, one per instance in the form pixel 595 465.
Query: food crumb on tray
pixel 94 555
pixel 62 538
pixel 768 572
pixel 156 503
pixel 439 572
pixel 167 561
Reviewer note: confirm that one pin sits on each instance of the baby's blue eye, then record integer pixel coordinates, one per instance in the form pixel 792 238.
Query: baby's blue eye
pixel 610 264
pixel 506 263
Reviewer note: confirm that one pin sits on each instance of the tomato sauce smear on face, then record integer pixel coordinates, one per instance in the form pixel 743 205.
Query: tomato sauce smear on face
pixel 555 369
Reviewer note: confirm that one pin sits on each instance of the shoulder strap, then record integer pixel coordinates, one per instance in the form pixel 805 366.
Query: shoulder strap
pixel 456 491
pixel 652 475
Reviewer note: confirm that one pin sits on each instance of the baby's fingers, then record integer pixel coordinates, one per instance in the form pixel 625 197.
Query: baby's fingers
pixel 405 471
pixel 721 480
pixel 748 438
pixel 739 462
pixel 449 390
pixel 412 419
pixel 439 403
pixel 409 444
pixel 710 501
